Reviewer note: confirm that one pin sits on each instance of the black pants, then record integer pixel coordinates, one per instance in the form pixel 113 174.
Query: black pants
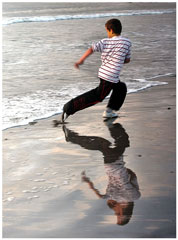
pixel 90 98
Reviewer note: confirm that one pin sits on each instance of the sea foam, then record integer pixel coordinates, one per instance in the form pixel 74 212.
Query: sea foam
pixel 15 20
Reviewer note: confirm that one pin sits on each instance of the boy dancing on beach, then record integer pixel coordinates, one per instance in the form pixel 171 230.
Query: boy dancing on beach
pixel 115 51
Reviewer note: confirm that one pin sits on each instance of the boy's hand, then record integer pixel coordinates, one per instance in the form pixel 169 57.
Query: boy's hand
pixel 76 65
pixel 127 60
pixel 82 59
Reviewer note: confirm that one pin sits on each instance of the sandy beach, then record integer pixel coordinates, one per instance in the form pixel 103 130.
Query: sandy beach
pixel 43 192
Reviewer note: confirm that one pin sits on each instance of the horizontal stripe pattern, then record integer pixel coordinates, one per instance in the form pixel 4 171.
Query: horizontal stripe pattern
pixel 114 51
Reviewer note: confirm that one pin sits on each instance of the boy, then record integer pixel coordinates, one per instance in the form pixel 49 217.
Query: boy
pixel 115 51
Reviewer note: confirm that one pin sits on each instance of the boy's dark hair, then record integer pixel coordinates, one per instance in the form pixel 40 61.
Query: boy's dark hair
pixel 115 25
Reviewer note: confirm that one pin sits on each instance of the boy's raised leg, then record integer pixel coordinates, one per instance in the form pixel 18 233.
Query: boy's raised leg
pixel 87 99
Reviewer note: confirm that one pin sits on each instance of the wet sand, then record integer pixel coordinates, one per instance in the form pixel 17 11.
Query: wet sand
pixel 43 191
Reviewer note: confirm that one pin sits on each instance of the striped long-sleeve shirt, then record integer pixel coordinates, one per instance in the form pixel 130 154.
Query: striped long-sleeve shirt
pixel 114 52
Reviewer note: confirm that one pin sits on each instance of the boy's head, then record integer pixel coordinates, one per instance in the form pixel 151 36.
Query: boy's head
pixel 114 26
pixel 123 211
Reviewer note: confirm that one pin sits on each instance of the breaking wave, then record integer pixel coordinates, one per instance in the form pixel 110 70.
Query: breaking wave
pixel 15 20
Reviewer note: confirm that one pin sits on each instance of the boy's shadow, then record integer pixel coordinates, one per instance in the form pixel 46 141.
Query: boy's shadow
pixel 122 187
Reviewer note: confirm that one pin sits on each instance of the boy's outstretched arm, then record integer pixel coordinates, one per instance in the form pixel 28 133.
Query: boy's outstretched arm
pixel 82 59
pixel 86 179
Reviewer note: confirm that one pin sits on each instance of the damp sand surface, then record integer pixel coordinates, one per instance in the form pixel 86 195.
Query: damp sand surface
pixel 43 191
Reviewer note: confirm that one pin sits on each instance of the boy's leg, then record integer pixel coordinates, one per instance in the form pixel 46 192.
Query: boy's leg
pixel 89 98
pixel 118 96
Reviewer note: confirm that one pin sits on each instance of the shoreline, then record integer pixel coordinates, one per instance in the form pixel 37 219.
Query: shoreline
pixel 33 122
pixel 42 171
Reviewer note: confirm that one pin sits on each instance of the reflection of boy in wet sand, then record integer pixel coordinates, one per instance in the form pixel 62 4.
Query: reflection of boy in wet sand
pixel 122 187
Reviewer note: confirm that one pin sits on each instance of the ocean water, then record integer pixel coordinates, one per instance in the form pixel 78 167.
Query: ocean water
pixel 42 41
